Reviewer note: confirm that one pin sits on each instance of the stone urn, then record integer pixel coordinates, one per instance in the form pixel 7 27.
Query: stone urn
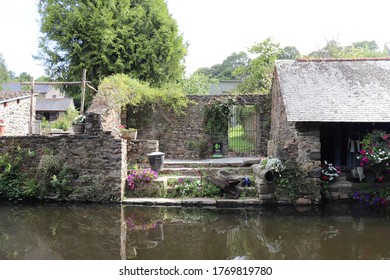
pixel 78 128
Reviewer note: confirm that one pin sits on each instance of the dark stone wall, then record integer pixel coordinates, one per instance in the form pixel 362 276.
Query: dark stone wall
pixel 96 164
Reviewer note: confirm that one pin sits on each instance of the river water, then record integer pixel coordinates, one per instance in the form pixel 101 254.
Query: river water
pixel 110 232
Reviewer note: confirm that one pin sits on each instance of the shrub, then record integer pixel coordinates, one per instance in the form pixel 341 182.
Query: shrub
pixel 138 178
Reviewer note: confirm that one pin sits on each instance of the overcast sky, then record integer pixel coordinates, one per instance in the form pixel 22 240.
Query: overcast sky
pixel 215 29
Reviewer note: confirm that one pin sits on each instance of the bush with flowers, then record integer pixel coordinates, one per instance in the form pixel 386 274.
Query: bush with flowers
pixel 329 172
pixel 139 178
pixel 272 164
pixel 375 153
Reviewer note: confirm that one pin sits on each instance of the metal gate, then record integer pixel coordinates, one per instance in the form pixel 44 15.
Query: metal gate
pixel 244 130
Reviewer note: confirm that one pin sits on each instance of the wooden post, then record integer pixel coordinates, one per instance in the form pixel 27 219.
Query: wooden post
pixel 30 125
pixel 83 91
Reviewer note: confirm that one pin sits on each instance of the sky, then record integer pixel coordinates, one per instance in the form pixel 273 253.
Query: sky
pixel 214 29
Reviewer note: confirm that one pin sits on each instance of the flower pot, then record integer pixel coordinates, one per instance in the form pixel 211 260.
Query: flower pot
pixel 129 135
pixel 78 128
pixel 2 130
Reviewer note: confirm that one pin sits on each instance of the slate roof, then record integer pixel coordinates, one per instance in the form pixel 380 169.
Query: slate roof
pixel 6 96
pixel 16 86
pixel 332 90
pixel 53 105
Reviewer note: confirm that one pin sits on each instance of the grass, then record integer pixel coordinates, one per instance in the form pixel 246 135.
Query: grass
pixel 238 142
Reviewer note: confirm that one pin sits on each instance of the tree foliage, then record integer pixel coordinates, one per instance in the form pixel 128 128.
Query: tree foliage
pixel 225 70
pixel 258 74
pixel 198 83
pixel 120 90
pixel 333 49
pixel 134 37
pixel 289 52
pixel 4 75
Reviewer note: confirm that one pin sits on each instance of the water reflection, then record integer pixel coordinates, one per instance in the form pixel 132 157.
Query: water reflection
pixel 124 232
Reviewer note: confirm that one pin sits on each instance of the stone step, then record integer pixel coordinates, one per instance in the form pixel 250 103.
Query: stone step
pixel 202 171
pixel 223 162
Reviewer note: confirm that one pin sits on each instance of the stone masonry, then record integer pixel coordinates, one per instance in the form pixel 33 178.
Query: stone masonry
pixel 183 137
pixel 96 164
pixel 16 114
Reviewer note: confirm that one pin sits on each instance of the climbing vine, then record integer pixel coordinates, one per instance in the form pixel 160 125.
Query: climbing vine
pixel 119 91
pixel 217 114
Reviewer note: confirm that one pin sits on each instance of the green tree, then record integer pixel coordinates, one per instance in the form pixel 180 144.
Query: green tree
pixel 24 77
pixel 289 52
pixel 12 75
pixel 134 37
pixel 258 74
pixel 198 84
pixel 225 70
pixel 333 49
pixel 4 74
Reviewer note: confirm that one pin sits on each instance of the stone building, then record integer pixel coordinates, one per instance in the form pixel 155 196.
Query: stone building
pixel 15 112
pixel 322 108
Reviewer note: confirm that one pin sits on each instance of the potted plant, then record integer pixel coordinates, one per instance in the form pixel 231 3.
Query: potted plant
pixel 2 127
pixel 79 124
pixel 128 133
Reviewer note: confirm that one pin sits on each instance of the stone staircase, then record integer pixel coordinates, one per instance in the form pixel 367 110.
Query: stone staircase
pixel 190 170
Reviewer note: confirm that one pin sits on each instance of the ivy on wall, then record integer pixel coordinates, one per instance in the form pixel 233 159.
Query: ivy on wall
pixel 216 116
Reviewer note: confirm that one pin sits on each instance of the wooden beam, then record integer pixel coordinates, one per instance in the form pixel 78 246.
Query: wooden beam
pixel 30 125
pixel 83 91
pixel 54 83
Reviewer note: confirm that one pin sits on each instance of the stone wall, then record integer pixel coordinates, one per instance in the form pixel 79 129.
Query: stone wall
pixel 138 150
pixel 295 142
pixel 290 140
pixel 16 114
pixel 108 118
pixel 95 164
pixel 183 137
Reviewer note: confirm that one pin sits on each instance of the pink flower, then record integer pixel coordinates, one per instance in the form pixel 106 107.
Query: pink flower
pixel 363 152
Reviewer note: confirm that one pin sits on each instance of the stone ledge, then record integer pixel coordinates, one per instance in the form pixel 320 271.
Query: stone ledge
pixel 194 202
pixel 199 202
pixel 230 202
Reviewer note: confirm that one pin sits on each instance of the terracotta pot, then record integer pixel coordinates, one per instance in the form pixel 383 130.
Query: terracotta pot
pixel 2 130
pixel 129 135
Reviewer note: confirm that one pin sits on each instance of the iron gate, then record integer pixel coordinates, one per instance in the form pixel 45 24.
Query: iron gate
pixel 243 135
